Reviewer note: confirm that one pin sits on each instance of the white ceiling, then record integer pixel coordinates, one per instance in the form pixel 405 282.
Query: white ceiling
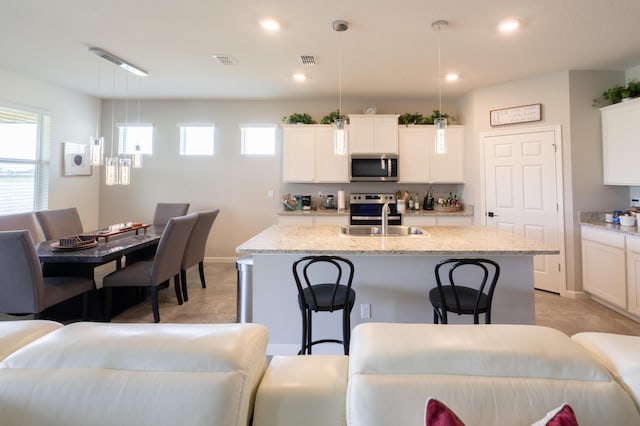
pixel 389 50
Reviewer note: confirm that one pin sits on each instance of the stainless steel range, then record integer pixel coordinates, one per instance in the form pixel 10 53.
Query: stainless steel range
pixel 366 209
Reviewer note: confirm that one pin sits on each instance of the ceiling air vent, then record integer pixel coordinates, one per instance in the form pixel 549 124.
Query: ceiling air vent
pixel 225 59
pixel 308 60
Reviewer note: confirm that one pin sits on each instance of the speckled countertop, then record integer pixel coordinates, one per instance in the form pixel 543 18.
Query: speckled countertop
pixel 449 240
pixel 596 220
pixel 466 211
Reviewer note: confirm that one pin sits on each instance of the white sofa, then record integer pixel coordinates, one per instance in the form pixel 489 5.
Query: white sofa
pixel 487 374
pixel 129 374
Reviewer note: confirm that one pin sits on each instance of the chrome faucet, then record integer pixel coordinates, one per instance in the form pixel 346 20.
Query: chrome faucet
pixel 385 218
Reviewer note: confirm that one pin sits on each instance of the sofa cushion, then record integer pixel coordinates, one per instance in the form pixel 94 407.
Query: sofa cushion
pixel 16 334
pixel 303 390
pixel 619 354
pixel 161 374
pixel 481 371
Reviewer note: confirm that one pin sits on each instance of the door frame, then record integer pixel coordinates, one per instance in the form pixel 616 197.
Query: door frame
pixel 557 131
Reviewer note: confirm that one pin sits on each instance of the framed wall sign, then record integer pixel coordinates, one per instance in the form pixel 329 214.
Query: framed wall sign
pixel 76 160
pixel 518 114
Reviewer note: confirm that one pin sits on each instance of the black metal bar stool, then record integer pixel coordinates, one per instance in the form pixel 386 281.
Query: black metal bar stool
pixel 325 295
pixel 477 275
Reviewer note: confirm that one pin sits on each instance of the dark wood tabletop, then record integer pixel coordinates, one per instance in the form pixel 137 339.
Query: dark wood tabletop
pixel 103 252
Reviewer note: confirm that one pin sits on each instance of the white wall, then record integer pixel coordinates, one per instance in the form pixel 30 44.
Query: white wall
pixel 237 185
pixel 73 119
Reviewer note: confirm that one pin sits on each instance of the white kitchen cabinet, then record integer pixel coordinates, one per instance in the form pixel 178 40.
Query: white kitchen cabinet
pixel 604 265
pixel 373 133
pixel 419 162
pixel 433 220
pixel 310 219
pixel 633 275
pixel 308 155
pixel 620 143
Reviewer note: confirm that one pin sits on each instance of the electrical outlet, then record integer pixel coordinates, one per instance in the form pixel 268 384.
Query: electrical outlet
pixel 270 193
pixel 365 311
pixel 320 194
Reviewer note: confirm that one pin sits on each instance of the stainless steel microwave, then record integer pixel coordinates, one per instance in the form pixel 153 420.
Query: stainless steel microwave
pixel 374 168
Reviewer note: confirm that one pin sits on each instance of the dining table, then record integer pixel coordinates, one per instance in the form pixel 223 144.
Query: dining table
pixel 82 260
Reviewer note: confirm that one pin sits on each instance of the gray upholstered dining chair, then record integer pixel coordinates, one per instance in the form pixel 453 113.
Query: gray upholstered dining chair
pixel 23 288
pixel 18 222
pixel 164 265
pixel 59 223
pixel 194 252
pixel 165 211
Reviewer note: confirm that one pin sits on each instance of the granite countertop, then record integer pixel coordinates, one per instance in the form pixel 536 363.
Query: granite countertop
pixel 441 240
pixel 466 211
pixel 596 220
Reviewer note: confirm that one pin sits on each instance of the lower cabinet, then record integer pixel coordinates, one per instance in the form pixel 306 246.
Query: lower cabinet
pixel 604 272
pixel 437 220
pixel 633 275
pixel 312 220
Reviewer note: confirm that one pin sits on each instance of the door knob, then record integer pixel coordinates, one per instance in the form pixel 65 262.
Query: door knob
pixel 491 214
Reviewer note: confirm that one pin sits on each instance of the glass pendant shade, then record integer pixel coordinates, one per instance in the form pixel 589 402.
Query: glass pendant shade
pixel 340 137
pixel 111 171
pixel 137 158
pixel 96 147
pixel 441 135
pixel 124 174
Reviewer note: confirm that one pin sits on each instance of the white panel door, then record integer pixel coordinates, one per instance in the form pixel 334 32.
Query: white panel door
pixel 521 195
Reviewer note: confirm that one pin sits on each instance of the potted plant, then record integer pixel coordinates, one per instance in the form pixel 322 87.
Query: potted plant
pixel 332 117
pixel 295 118
pixel 417 118
pixel 618 93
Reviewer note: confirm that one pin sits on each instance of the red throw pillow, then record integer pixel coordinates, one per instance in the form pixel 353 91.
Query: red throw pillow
pixel 438 414
pixel 561 416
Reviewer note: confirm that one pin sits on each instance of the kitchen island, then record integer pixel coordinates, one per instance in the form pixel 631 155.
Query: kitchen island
pixel 392 278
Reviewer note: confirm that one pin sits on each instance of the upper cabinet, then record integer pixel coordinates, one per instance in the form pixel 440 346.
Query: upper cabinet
pixel 621 143
pixel 308 155
pixel 419 162
pixel 373 133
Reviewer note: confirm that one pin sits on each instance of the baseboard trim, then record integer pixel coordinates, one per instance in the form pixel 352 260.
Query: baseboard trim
pixel 578 295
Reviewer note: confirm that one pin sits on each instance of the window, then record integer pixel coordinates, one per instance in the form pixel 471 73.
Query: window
pixel 258 140
pixel 132 135
pixel 24 160
pixel 197 139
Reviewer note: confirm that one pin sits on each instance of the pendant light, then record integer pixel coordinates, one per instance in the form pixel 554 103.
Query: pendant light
pixel 111 163
pixel 440 122
pixel 96 144
pixel 124 173
pixel 137 153
pixel 340 137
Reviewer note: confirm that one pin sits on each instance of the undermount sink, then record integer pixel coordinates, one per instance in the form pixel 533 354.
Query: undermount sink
pixel 376 230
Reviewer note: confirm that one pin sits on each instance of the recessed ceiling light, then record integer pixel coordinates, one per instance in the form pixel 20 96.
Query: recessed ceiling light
pixel 299 77
pixel 451 77
pixel 270 24
pixel 509 25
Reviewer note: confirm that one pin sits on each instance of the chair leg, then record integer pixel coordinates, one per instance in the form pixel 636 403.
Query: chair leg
pixel 154 304
pixel 201 270
pixel 309 331
pixel 303 346
pixel 346 328
pixel 176 284
pixel 183 279
pixel 85 305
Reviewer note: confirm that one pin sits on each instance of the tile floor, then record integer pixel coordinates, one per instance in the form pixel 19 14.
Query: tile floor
pixel 217 304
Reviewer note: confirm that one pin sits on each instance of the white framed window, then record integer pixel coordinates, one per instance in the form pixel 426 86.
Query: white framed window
pixel 132 135
pixel 258 139
pixel 197 139
pixel 24 160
